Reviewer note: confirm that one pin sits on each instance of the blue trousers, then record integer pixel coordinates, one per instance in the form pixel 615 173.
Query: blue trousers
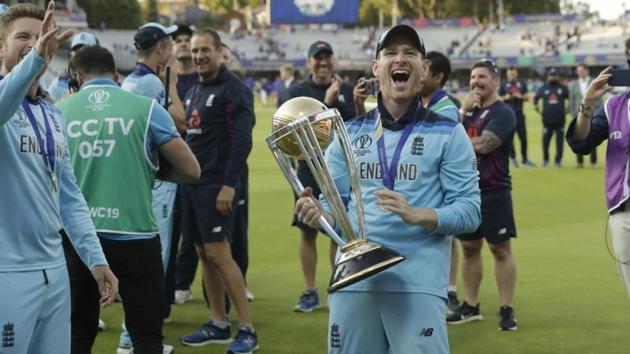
pixel 382 323
pixel 35 311
pixel 163 203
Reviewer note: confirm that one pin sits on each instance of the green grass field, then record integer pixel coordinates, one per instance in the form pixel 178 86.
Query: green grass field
pixel 569 297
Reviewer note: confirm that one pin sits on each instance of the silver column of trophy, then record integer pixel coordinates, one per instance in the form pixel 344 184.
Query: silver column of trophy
pixel 301 129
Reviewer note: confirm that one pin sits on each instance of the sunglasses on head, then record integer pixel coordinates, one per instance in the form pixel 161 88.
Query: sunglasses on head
pixel 488 63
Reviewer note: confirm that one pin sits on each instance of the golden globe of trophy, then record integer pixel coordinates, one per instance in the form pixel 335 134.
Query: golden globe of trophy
pixel 302 128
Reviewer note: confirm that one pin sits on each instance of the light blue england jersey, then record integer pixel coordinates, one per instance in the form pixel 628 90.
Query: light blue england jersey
pixel 58 88
pixel 144 82
pixel 31 213
pixel 436 170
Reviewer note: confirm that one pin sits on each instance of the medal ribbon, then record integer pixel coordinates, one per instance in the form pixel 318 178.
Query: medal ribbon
pixel 48 146
pixel 389 172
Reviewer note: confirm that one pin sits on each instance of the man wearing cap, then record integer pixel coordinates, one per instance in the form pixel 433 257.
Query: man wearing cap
pixel 490 124
pixel 183 65
pixel 555 97
pixel 514 93
pixel 401 310
pixel 60 86
pixel 327 87
pixel 183 261
pixel 155 52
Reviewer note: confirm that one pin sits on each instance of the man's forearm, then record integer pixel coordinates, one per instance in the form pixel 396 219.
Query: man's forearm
pixel 176 110
pixel 582 127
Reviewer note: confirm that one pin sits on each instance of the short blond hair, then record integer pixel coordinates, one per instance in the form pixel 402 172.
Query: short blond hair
pixel 287 69
pixel 16 12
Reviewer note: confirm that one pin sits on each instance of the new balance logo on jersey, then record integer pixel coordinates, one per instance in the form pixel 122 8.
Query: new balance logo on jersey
pixel 417 147
pixel 216 229
pixel 335 337
pixel 616 135
pixel 210 100
pixel 426 332
pixel 8 335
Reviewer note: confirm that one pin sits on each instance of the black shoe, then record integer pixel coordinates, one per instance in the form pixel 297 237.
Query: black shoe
pixel 464 313
pixel 508 321
pixel 452 303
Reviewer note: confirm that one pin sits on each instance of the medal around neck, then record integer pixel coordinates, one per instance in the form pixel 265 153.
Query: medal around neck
pixel 301 129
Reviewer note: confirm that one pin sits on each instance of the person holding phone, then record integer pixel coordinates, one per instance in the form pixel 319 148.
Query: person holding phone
pixel 577 90
pixel 588 130
pixel 327 87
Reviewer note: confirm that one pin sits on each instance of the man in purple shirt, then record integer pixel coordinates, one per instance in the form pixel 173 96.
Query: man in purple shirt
pixel 589 129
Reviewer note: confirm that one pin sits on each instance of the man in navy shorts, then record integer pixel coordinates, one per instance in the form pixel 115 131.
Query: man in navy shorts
pixel 490 124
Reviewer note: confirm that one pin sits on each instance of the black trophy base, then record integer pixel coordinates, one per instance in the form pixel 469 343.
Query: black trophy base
pixel 361 262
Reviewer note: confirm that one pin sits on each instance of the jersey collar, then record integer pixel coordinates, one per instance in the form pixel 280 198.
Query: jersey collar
pixel 98 82
pixel 388 121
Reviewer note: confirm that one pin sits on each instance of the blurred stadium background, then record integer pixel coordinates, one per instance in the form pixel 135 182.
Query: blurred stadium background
pixel 569 298
pixel 530 35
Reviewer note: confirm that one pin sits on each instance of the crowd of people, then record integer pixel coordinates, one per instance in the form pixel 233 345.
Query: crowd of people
pixel 123 187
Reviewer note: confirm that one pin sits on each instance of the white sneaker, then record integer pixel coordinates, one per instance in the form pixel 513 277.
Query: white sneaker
pixel 166 349
pixel 250 295
pixel 182 296
pixel 101 325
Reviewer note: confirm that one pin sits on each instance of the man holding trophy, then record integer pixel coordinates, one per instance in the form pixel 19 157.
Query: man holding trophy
pixel 407 179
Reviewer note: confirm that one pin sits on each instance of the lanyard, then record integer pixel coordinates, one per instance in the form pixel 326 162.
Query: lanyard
pixel 48 146
pixel 437 96
pixel 389 172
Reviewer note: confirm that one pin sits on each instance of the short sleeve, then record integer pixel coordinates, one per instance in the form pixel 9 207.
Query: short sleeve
pixel 161 126
pixel 503 123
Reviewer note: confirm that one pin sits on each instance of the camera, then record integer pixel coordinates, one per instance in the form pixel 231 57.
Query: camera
pixel 371 86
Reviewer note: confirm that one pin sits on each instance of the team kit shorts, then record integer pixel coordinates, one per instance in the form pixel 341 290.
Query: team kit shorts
pixel 201 221
pixel 497 218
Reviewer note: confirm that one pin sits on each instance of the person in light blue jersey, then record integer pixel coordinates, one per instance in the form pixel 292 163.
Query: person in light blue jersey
pixel 39 195
pixel 436 99
pixel 428 192
pixel 155 51
pixel 60 86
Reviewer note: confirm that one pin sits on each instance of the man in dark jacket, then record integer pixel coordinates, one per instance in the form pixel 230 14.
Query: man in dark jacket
pixel 220 118
pixel 554 95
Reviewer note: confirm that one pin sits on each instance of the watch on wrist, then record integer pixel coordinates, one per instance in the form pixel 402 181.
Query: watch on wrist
pixel 586 110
